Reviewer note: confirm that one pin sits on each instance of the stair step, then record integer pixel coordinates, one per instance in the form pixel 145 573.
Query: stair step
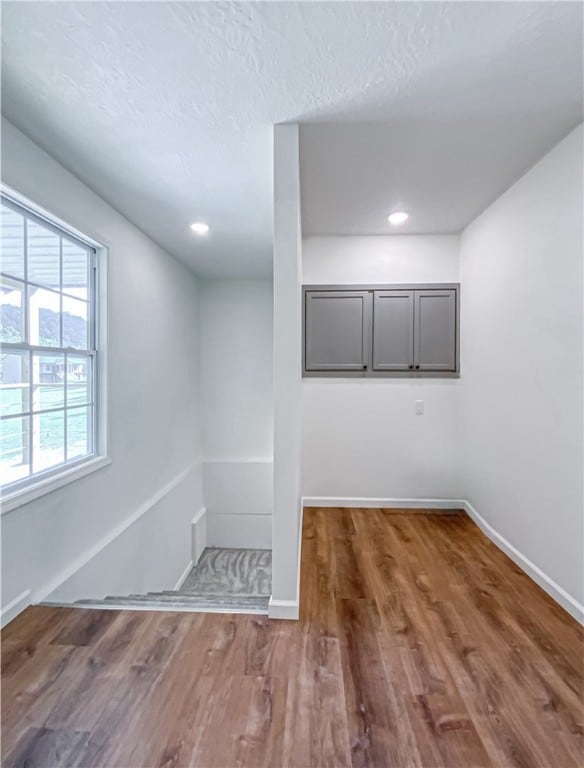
pixel 219 595
pixel 152 602
pixel 179 597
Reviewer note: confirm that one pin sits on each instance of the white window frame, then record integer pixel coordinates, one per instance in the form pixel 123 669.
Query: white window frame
pixel 36 485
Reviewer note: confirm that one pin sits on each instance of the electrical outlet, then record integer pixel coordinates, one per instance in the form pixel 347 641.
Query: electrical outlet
pixel 419 407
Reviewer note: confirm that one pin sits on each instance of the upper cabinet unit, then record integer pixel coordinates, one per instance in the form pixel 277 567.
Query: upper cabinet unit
pixel 398 330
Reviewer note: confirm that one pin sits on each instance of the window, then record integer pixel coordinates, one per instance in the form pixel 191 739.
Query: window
pixel 48 359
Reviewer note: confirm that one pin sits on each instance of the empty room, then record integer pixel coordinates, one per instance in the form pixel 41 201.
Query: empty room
pixel 292 384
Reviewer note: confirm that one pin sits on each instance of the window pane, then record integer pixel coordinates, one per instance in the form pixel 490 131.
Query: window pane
pixel 74 323
pixel 44 313
pixel 48 381
pixel 48 440
pixel 14 449
pixel 11 314
pixel 78 432
pixel 45 301
pixel 75 266
pixel 11 242
pixel 78 380
pixel 43 256
pixel 15 383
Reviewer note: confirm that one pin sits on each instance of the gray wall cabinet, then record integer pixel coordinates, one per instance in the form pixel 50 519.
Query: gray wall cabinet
pixel 393 330
pixel 381 330
pixel 435 330
pixel 339 330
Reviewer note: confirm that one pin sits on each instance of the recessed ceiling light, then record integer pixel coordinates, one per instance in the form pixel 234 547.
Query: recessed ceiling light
pixel 397 218
pixel 200 228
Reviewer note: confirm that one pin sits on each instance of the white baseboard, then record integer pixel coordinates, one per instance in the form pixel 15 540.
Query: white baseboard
pixel 199 534
pixel 184 575
pixel 451 505
pixel 15 607
pixel 299 563
pixel 283 609
pixel 289 609
pixel 554 590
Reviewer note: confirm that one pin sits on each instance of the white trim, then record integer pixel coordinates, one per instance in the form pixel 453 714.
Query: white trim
pixel 198 534
pixel 49 216
pixel 156 607
pixel 15 607
pixel 452 505
pixel 44 485
pixel 289 609
pixel 239 460
pixel 41 484
pixel 199 515
pixel 570 604
pixel 41 593
pixel 101 395
pixel 283 609
pixel 184 575
pixel 299 562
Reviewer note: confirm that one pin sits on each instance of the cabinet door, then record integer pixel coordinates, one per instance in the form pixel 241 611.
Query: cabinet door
pixel 435 330
pixel 393 330
pixel 336 329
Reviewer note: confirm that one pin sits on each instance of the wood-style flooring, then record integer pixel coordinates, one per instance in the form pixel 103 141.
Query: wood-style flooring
pixel 420 644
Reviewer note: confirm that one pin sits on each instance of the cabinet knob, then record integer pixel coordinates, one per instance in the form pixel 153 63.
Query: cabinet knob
pixel 417 367
pixel 410 366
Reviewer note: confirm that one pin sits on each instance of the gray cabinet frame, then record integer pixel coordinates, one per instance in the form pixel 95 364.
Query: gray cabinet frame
pixel 368 371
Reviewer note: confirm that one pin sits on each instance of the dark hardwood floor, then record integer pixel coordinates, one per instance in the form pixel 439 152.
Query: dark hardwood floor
pixel 420 644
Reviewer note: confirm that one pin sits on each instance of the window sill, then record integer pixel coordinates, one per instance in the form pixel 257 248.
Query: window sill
pixel 22 496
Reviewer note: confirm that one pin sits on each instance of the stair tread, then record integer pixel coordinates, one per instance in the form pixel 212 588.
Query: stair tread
pixel 204 593
pixel 188 605
pixel 186 598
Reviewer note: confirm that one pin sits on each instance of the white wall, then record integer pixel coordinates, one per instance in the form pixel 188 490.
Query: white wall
pixel 376 259
pixel 125 528
pixel 360 437
pixel 237 411
pixel 286 519
pixel 521 354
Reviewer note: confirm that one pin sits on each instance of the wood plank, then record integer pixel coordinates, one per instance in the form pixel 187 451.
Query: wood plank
pixel 44 746
pixel 316 730
pixel 419 644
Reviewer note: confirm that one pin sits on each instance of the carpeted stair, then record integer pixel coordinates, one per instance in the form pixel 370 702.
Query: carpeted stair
pixel 223 581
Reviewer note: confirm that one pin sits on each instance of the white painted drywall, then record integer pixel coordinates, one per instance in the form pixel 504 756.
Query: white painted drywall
pixel 237 410
pixel 287 372
pixel 361 438
pixel 376 259
pixel 521 354
pixel 139 508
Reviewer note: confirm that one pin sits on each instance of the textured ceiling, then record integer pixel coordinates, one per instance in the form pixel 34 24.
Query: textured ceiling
pixel 166 109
